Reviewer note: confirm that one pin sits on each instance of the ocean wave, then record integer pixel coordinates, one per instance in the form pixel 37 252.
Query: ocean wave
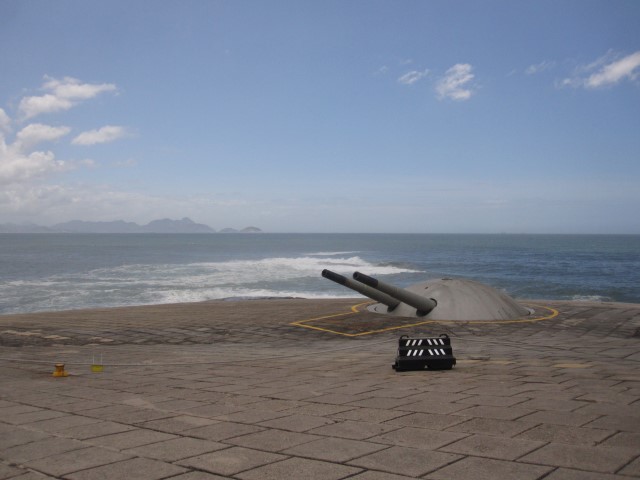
pixel 142 284
pixel 590 298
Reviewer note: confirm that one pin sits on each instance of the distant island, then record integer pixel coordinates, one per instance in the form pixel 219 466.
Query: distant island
pixel 165 225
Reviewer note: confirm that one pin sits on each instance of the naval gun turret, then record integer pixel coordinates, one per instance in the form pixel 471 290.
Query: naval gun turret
pixel 438 299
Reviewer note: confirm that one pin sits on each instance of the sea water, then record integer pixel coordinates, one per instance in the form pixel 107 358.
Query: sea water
pixel 43 272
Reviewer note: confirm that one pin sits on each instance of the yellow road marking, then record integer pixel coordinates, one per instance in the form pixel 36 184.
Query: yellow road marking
pixel 355 309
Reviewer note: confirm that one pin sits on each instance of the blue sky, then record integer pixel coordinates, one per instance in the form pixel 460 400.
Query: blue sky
pixel 331 116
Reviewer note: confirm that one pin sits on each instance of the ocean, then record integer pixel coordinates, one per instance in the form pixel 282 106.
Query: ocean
pixel 47 272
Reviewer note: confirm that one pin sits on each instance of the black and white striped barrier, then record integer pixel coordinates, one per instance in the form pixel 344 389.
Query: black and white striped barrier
pixel 434 353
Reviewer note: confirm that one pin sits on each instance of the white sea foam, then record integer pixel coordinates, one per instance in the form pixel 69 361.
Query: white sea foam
pixel 590 298
pixel 141 284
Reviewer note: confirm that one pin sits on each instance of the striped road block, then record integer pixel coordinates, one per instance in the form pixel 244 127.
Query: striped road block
pixel 434 353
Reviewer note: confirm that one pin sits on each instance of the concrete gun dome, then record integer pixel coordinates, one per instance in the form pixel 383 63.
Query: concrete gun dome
pixel 438 299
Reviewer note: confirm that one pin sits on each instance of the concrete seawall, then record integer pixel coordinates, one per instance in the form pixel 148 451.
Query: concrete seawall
pixel 297 388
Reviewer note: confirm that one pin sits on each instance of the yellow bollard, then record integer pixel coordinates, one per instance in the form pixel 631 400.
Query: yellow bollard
pixel 96 367
pixel 60 371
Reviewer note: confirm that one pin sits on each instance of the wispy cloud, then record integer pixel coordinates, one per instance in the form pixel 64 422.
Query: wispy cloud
pixel 108 133
pixel 539 67
pixel 412 77
pixel 63 95
pixel 5 121
pixel 455 83
pixel 608 70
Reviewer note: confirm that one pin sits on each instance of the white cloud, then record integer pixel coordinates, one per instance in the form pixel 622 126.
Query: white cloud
pixel 539 67
pixel 412 77
pixel 16 167
pixel 455 82
pixel 63 94
pixel 36 133
pixel 20 163
pixel 605 71
pixel 5 121
pixel 108 133
pixel 24 162
pixel 626 67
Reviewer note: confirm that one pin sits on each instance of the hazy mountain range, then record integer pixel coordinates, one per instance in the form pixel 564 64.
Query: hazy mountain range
pixel 166 225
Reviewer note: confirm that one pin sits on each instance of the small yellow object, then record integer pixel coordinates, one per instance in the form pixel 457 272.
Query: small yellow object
pixel 96 368
pixel 60 371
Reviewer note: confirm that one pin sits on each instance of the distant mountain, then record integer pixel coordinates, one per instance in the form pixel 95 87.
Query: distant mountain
pixel 244 230
pixel 186 225
pixel 80 226
pixel 166 225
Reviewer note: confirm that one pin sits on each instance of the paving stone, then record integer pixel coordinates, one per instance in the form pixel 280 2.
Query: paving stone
pixel 441 407
pixel 319 409
pixel 297 423
pixel 138 468
pixel 564 434
pixel 64 463
pixel 199 476
pixel 299 468
pixel 418 438
pixel 231 461
pixel 353 430
pixel 616 422
pixel 40 449
pixel 334 449
pixel 492 447
pixel 492 426
pixel 212 411
pixel 130 439
pixel 595 459
pixel 126 414
pixel 178 423
pixel 222 430
pixel 272 440
pixel 405 461
pixel 632 468
pixel 373 475
pixel 546 403
pixel 7 471
pixel 567 474
pixel 623 439
pixel 92 430
pixel 474 468
pixel 31 417
pixel 56 425
pixel 32 476
pixel 432 421
pixel 500 413
pixel 600 408
pixel 176 449
pixel 491 400
pixel 560 418
pixel 336 398
pixel 372 415
pixel 19 436
pixel 252 416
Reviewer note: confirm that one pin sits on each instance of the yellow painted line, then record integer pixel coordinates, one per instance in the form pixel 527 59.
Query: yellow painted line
pixel 355 309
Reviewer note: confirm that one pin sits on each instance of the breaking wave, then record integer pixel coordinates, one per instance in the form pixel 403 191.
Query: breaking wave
pixel 142 284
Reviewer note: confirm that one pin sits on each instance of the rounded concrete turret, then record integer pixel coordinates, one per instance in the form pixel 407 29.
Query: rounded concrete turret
pixel 459 299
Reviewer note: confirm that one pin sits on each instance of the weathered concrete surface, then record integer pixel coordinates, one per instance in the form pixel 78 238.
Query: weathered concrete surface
pixel 234 390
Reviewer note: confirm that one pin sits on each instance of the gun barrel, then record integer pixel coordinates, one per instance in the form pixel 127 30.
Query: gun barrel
pixel 372 293
pixel 422 304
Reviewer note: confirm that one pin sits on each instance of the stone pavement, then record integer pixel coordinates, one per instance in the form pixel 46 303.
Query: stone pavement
pixel 233 390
